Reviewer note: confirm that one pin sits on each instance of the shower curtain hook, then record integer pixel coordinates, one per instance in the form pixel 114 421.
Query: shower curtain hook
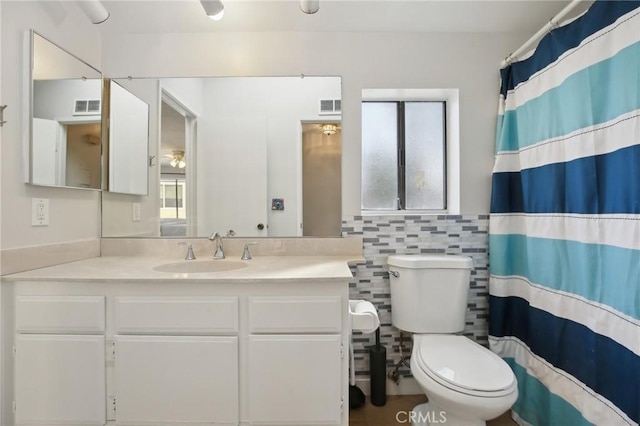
pixel 552 26
pixel 510 59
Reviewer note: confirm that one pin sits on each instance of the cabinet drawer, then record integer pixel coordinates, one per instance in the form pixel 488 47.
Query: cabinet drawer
pixel 297 314
pixel 60 314
pixel 176 315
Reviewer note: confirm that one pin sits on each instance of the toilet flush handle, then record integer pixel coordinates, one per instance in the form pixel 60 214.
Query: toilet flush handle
pixel 395 274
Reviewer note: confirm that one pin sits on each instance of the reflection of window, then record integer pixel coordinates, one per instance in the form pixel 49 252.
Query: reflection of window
pixel 403 155
pixel 172 198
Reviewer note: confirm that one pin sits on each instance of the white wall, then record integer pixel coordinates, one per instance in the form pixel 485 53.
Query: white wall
pixel 74 213
pixel 364 60
pixel 468 61
pixel 186 92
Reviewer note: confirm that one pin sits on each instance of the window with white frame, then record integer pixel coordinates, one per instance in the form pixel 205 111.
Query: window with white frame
pixel 172 202
pixel 405 150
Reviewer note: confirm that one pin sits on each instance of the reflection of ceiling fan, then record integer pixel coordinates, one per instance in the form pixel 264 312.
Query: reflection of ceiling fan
pixel 177 159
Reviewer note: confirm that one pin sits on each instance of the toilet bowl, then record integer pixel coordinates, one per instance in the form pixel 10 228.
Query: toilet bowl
pixel 466 383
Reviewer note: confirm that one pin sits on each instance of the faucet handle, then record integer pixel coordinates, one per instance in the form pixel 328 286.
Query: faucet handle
pixel 190 255
pixel 246 255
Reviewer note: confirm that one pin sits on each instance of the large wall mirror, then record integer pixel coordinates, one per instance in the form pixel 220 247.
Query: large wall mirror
pixel 243 156
pixel 65 107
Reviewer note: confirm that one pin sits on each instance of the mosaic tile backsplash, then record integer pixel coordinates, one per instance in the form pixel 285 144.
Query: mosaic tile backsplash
pixel 386 235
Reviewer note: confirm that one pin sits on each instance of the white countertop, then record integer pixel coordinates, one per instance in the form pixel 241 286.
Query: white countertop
pixel 140 269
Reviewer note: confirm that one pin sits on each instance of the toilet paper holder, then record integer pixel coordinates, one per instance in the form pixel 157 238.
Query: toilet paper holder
pixel 364 316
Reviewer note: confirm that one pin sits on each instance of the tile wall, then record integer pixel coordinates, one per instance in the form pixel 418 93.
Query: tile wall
pixel 421 234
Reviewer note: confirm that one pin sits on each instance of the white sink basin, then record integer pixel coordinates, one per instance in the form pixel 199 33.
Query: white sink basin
pixel 201 266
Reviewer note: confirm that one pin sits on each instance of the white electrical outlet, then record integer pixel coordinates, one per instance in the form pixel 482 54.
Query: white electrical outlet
pixel 136 212
pixel 39 212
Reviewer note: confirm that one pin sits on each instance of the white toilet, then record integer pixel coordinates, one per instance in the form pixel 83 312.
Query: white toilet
pixel 466 383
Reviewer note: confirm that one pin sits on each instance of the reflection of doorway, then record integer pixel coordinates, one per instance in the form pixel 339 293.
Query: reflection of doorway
pixel 66 152
pixel 177 143
pixel 321 180
pixel 82 162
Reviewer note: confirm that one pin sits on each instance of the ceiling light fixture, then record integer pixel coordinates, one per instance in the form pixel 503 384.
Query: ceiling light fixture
pixel 177 159
pixel 329 129
pixel 309 6
pixel 94 9
pixel 213 8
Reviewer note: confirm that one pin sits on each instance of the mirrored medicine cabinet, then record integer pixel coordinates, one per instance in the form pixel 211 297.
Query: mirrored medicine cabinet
pixel 65 123
pixel 67 103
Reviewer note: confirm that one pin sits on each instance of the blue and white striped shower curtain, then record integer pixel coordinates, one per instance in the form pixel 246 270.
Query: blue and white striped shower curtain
pixel 565 223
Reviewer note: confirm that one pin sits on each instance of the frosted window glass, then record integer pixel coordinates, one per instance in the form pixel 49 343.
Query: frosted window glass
pixel 379 155
pixel 425 162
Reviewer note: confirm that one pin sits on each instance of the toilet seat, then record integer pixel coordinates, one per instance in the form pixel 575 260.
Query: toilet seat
pixel 460 364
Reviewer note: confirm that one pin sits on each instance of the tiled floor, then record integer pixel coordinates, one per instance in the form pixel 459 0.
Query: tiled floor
pixel 370 415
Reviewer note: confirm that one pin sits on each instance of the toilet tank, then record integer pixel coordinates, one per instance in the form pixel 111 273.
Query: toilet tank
pixel 429 292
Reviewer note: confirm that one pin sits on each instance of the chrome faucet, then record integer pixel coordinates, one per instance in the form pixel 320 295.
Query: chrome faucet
pixel 190 255
pixel 217 239
pixel 246 255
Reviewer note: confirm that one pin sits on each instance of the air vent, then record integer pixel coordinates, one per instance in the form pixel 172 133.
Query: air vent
pixel 86 107
pixel 330 106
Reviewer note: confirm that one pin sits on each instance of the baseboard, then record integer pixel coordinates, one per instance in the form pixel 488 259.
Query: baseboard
pixel 406 386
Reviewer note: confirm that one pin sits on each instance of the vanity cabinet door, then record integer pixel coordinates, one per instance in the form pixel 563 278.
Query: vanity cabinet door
pixel 60 379
pixel 176 380
pixel 294 379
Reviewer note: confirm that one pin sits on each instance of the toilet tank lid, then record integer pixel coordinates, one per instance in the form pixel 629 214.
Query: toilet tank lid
pixel 441 261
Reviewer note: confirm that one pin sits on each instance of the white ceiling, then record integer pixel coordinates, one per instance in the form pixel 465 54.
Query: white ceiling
pixel 180 16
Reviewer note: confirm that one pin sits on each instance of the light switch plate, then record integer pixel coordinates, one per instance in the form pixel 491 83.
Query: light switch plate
pixel 39 212
pixel 136 212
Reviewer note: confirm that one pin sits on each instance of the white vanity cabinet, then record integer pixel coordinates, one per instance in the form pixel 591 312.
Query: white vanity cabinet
pixel 59 360
pixel 151 352
pixel 173 362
